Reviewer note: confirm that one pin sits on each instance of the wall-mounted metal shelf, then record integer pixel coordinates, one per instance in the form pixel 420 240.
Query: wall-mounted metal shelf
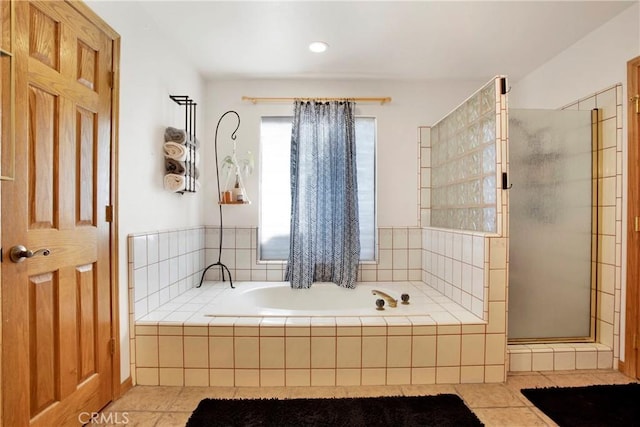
pixel 190 145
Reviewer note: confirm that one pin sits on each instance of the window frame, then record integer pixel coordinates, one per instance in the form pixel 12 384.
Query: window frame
pixel 375 258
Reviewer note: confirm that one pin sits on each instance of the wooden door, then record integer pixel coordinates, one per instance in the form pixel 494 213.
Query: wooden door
pixel 632 361
pixel 57 357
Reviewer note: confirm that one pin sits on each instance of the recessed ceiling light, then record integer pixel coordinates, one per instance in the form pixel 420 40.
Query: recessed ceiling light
pixel 318 47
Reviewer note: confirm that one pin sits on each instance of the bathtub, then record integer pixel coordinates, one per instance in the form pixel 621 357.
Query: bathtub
pixel 321 299
pixel 267 334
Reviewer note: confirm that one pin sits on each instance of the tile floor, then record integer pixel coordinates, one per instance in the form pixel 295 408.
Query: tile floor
pixel 494 404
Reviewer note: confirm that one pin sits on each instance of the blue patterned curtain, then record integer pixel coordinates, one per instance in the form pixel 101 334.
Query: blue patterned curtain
pixel 324 239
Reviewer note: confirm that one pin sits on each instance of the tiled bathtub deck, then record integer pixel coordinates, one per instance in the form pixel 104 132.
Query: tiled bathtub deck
pixel 181 344
pixel 197 307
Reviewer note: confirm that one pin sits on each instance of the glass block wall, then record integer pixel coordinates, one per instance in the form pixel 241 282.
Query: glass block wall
pixel 464 192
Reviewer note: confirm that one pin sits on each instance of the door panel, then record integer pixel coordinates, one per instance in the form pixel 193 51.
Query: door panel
pixel 57 308
pixel 44 41
pixel 85 140
pixel 43 109
pixel 87 322
pixel 550 224
pixel 43 294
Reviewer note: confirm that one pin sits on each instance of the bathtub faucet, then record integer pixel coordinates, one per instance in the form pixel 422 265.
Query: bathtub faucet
pixel 392 302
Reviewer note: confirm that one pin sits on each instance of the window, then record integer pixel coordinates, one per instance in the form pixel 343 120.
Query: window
pixel 275 190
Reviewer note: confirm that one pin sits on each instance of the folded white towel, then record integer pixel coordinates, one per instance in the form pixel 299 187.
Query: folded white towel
pixel 175 151
pixel 174 182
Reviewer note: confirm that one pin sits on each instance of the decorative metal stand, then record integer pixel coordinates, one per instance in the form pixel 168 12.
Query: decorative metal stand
pixel 223 268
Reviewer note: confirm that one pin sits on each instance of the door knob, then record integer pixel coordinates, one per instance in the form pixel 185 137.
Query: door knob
pixel 18 253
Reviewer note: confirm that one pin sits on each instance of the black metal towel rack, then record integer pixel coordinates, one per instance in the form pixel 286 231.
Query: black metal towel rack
pixel 190 129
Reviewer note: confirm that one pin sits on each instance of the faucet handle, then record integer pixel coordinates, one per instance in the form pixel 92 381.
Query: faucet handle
pixel 404 298
pixel 380 304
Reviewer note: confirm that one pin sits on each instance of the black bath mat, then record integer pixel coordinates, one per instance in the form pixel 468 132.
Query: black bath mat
pixel 440 410
pixel 591 406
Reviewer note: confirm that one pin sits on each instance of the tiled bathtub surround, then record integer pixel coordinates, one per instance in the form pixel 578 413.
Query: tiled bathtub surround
pixel 398 252
pixel 162 265
pixel 448 346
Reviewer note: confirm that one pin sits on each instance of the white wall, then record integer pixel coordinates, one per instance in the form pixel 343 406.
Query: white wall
pixel 150 69
pixel 415 103
pixel 595 62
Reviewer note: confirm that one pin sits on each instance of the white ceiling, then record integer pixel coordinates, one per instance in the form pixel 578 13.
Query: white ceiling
pixel 471 40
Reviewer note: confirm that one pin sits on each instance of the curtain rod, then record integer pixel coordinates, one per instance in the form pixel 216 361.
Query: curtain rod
pixel 255 100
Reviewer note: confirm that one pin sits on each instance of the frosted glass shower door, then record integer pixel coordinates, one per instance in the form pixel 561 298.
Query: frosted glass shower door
pixel 550 224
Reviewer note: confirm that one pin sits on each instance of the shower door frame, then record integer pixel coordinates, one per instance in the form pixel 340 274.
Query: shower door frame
pixel 595 195
pixel 631 364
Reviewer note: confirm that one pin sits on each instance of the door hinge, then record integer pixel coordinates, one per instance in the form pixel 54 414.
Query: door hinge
pixel 112 346
pixel 636 99
pixel 108 213
pixel 636 224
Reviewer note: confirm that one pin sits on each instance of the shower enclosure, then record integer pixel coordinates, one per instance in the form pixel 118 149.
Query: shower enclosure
pixel 551 221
